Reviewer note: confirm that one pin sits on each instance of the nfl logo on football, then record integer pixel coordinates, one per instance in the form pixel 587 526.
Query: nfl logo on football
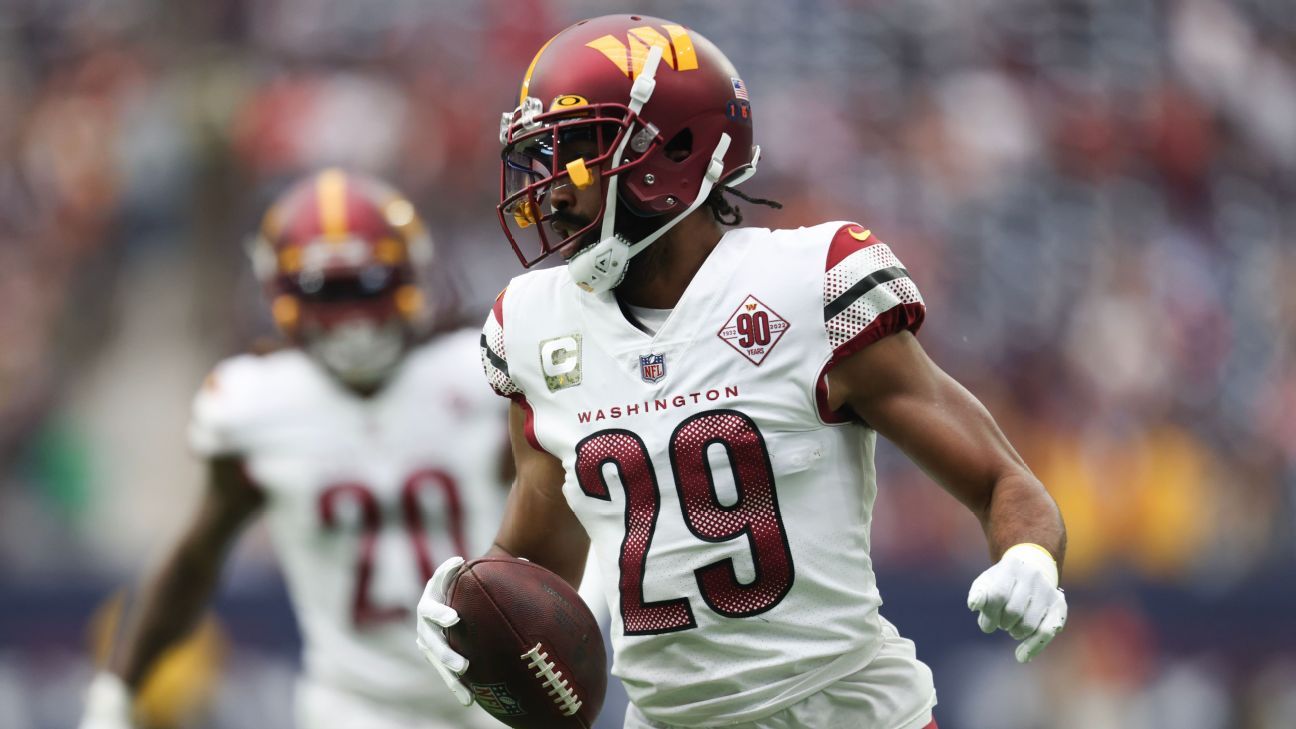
pixel 652 367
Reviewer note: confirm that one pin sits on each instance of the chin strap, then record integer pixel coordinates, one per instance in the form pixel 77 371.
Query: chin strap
pixel 600 267
pixel 642 89
pixel 715 168
pixel 750 170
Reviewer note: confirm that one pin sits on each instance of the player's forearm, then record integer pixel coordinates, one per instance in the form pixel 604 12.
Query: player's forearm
pixel 1019 511
pixel 561 554
pixel 539 527
pixel 166 609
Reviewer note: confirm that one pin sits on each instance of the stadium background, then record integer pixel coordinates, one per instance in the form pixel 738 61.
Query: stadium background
pixel 1094 195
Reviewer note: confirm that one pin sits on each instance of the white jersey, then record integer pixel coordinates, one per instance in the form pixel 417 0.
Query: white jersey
pixel 365 497
pixel 729 511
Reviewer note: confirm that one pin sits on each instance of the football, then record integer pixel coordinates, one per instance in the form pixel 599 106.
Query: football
pixel 535 652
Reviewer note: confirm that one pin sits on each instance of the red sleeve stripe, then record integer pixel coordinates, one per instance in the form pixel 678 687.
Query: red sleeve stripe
pixel 905 317
pixel 498 308
pixel 528 425
pixel 847 240
pixel 902 318
pixel 826 413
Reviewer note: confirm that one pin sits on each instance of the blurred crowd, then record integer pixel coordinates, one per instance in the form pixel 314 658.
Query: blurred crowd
pixel 1094 196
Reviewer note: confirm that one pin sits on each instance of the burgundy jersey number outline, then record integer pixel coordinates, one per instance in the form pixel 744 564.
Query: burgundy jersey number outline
pixel 628 453
pixel 363 611
pixel 755 515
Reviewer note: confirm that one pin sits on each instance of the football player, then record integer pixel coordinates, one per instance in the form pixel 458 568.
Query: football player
pixel 702 405
pixel 373 454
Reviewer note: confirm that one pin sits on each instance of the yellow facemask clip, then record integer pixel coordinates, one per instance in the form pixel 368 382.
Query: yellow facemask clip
pixel 286 311
pixel 525 214
pixel 580 174
pixel 409 301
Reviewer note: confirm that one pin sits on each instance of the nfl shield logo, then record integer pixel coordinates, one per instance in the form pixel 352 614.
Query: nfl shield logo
pixel 652 367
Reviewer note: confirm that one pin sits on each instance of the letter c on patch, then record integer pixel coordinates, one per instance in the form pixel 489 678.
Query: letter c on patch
pixel 558 356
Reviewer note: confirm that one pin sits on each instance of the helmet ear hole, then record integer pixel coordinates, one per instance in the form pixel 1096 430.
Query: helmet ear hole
pixel 680 146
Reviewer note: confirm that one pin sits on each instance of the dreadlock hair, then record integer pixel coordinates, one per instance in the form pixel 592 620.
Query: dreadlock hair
pixel 725 212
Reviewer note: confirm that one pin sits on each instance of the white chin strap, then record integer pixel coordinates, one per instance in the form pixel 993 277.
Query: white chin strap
pixel 601 267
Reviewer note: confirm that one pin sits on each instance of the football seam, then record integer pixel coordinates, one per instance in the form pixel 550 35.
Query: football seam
pixel 494 603
pixel 558 688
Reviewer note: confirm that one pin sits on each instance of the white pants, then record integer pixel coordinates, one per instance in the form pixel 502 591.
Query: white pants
pixel 894 691
pixel 318 706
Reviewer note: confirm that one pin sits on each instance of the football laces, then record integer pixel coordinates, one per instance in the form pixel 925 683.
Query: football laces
pixel 556 686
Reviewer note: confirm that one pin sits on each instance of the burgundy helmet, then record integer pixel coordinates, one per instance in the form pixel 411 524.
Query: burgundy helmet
pixel 667 112
pixel 338 254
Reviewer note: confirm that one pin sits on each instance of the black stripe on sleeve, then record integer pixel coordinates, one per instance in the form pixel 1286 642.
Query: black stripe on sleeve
pixel 861 287
pixel 496 360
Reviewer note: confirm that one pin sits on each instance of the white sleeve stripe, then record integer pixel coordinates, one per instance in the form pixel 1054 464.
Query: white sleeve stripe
pixel 856 266
pixel 863 311
pixel 861 288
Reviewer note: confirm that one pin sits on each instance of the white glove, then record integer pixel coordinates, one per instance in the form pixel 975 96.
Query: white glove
pixel 434 616
pixel 108 704
pixel 1020 595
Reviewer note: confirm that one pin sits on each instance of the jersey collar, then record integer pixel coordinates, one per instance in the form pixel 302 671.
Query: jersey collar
pixel 614 334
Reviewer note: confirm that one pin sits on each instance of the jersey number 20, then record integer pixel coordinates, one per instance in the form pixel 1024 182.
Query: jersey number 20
pixel 420 483
pixel 754 515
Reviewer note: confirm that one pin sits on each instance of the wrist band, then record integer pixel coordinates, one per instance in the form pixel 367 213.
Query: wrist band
pixel 1032 553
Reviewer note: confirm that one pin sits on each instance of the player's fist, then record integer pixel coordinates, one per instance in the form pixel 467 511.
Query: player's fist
pixel 108 704
pixel 1020 595
pixel 434 616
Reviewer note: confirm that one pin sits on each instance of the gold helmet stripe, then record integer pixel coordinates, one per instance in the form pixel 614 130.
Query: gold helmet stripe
pixel 685 54
pixel 526 80
pixel 330 197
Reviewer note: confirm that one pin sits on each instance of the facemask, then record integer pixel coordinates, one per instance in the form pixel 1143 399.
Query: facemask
pixel 359 352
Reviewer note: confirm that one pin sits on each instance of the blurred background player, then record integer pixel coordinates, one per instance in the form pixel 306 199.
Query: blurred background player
pixel 372 450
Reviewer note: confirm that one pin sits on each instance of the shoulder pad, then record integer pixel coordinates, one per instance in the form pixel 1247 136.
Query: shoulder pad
pixel 232 398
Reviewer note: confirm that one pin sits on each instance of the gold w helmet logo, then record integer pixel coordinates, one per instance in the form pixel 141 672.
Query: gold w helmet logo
pixel 677 50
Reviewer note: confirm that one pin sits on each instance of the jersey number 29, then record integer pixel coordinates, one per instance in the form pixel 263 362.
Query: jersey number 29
pixel 754 515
